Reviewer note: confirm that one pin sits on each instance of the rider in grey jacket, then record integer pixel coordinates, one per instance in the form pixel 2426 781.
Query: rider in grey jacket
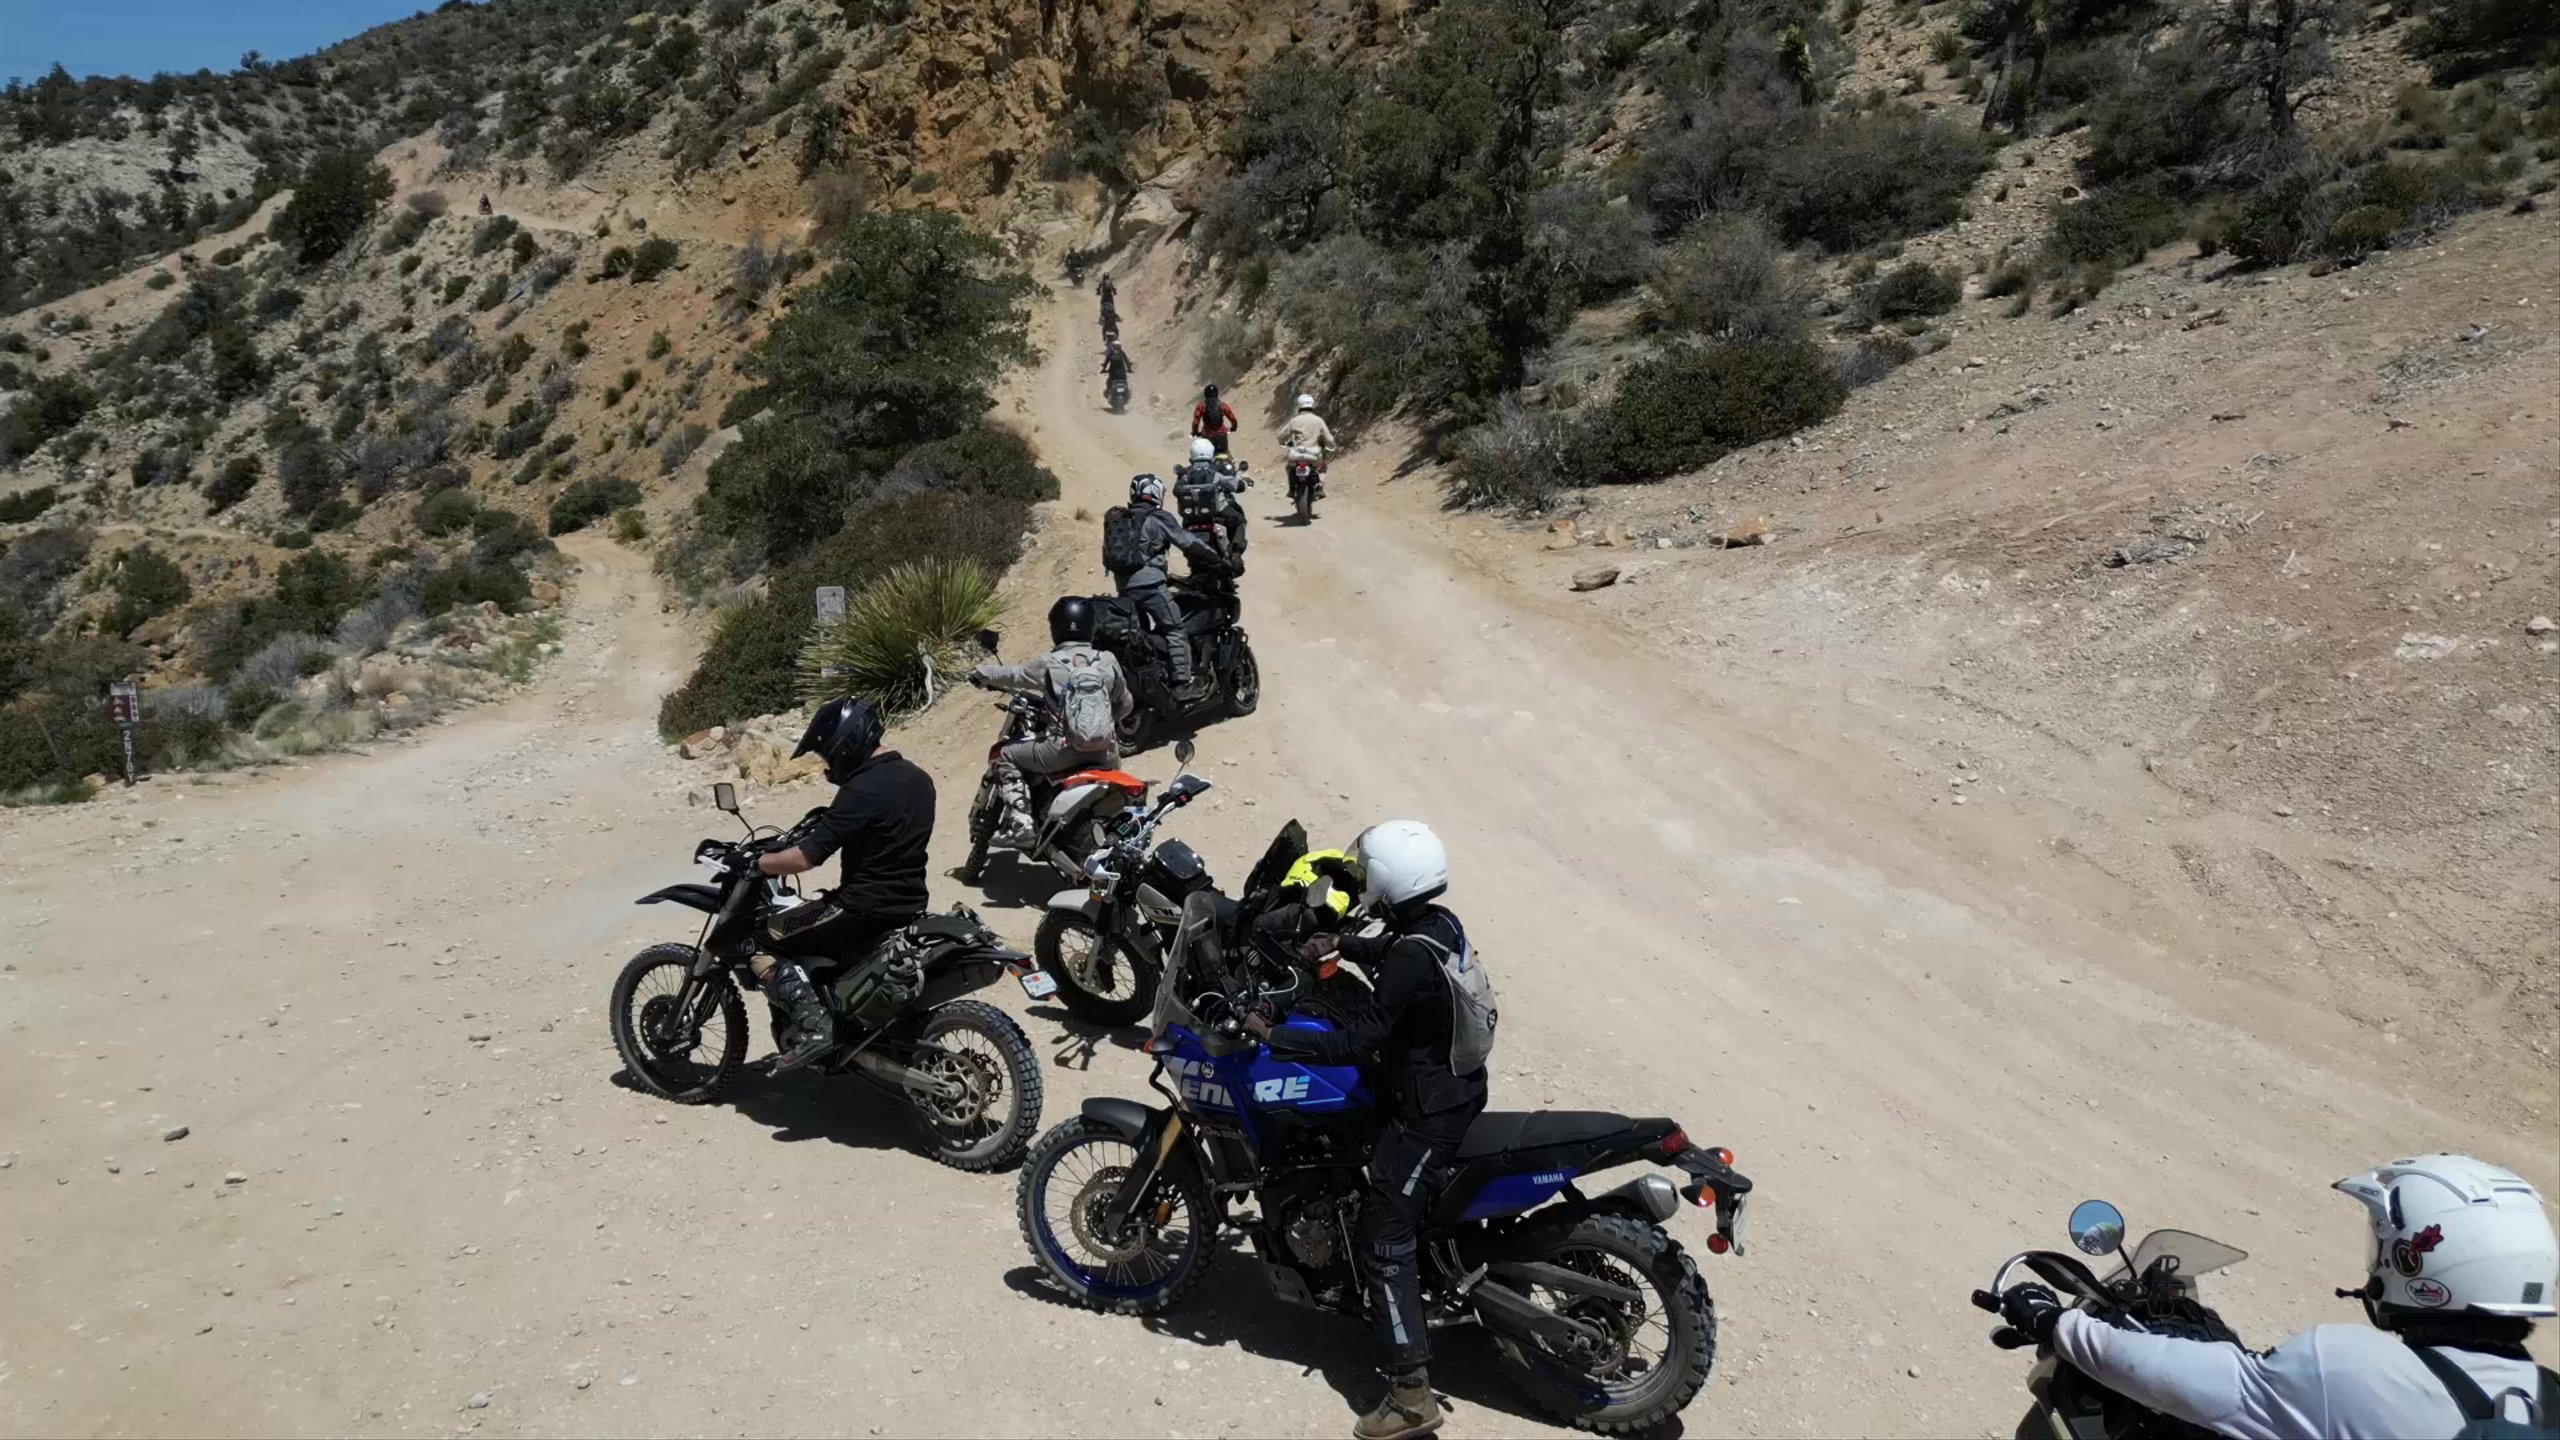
pixel 2465 1262
pixel 1054 677
pixel 1159 532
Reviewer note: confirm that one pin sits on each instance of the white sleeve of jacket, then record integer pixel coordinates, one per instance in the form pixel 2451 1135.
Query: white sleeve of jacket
pixel 2219 1386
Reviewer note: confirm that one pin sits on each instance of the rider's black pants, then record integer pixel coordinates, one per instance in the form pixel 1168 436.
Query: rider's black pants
pixel 1406 1171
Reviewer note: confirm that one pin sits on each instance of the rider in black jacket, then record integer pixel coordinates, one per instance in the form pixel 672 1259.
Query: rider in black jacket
pixel 1426 1044
pixel 881 821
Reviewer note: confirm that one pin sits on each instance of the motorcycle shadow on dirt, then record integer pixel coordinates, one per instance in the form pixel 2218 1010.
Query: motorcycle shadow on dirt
pixel 1083 1039
pixel 1234 1307
pixel 802 1107
pixel 1011 883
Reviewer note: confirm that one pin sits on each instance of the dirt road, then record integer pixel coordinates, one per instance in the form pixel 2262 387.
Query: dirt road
pixel 372 988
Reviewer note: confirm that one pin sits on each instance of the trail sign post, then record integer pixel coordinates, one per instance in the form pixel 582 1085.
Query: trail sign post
pixel 124 704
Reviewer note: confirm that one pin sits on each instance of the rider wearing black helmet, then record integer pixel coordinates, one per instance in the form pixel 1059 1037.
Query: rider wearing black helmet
pixel 882 822
pixel 1087 696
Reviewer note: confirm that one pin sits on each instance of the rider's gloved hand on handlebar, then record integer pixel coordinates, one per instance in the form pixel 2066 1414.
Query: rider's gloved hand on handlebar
pixel 2032 1311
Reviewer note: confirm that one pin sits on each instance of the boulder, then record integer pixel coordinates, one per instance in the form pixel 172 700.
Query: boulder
pixel 544 592
pixel 1597 578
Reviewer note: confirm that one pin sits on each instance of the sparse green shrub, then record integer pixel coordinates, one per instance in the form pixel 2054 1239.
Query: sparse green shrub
pixel 332 203
pixel 454 285
pixel 513 352
pixel 659 344
pixel 306 474
pixel 27 504
pixel 617 262
pixel 2115 226
pixel 232 483
pixel 1514 461
pixel 493 232
pixel 146 584
pixel 630 525
pixel 1863 178
pixel 1873 358
pixel 1230 345
pixel 749 667
pixel 918 613
pixel 1691 404
pixel 492 290
pixel 1728 279
pixel 446 512
pixel 652 259
pixel 1907 290
pixel 55 407
pixel 590 500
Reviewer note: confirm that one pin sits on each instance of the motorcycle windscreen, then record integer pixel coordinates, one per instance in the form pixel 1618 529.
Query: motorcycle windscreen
pixel 1190 964
pixel 1287 849
pixel 2196 1254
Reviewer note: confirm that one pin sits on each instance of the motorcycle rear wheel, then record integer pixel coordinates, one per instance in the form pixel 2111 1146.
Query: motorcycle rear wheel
pixel 1647 1381
pixel 1098 978
pixel 1244 680
pixel 993 1127
pixel 1306 504
pixel 658 1045
pixel 1069 1175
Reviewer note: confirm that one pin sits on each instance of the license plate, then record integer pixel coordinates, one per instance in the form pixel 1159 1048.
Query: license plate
pixel 1039 984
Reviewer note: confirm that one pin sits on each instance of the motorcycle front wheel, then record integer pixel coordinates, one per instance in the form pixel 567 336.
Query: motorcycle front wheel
pixel 986 1123
pixel 1061 1201
pixel 681 1039
pixel 982 832
pixel 1657 1351
pixel 1098 978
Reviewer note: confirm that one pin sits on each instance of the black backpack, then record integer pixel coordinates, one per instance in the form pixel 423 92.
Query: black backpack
pixel 2481 1413
pixel 1124 545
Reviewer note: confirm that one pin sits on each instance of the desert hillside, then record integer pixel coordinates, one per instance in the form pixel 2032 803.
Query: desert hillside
pixel 1972 584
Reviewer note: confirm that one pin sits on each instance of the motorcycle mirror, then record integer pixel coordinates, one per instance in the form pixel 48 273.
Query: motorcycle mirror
pixel 724 796
pixel 1243 466
pixel 987 641
pixel 1183 750
pixel 2097 1228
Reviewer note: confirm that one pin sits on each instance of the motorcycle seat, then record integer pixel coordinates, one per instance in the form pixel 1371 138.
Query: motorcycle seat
pixel 1499 1132
pixel 943 927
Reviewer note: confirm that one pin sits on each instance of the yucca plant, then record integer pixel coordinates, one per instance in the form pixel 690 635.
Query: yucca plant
pixel 925 611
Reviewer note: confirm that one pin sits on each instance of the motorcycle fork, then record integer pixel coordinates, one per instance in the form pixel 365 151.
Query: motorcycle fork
pixel 1155 1148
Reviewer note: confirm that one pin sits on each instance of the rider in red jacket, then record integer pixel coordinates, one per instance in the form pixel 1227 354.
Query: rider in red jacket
pixel 1212 418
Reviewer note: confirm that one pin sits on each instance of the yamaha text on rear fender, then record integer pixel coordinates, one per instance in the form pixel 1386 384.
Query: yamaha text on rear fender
pixel 1597 1311
pixel 2151 1289
pixel 963 1067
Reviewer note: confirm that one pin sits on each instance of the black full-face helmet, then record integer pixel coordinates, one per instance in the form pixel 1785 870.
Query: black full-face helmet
pixel 1071 618
pixel 845 732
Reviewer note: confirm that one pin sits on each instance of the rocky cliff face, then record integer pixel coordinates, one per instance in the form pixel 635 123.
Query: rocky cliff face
pixel 977 95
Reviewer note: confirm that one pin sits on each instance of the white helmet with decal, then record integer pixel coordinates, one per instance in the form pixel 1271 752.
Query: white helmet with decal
pixel 2455 1235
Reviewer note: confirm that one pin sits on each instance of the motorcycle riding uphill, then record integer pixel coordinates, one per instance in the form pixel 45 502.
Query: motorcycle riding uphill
pixel 1180 642
pixel 861 982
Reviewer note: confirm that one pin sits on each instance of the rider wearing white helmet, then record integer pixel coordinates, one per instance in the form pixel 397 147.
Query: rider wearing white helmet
pixel 1206 485
pixel 1431 1033
pixel 1307 437
pixel 2464 1263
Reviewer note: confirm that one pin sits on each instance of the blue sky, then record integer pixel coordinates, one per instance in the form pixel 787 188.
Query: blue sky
pixel 137 37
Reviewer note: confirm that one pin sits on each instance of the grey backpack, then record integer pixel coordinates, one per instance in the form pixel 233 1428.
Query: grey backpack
pixel 1472 1016
pixel 1083 693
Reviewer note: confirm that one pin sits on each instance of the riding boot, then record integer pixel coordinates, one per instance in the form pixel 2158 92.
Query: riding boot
pixel 1014 831
pixel 1407 1409
pixel 813 1024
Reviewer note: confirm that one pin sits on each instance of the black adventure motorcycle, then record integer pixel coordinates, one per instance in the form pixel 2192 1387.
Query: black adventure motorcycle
pixel 1212 616
pixel 2153 1289
pixel 1597 1311
pixel 964 1068
pixel 1306 486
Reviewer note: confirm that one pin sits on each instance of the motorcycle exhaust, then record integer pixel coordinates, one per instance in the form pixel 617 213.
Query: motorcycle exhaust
pixel 899 1077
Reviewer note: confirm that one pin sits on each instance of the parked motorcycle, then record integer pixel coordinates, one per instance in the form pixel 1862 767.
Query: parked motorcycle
pixel 964 1068
pixel 1212 617
pixel 1104 940
pixel 1306 485
pixel 1076 812
pixel 2153 1290
pixel 1598 1313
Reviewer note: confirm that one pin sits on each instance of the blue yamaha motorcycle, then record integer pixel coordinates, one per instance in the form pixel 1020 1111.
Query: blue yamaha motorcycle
pixel 1598 1313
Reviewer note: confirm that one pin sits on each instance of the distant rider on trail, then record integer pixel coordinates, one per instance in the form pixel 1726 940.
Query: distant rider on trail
pixel 1307 437
pixel 1135 538
pixel 1087 693
pixel 2464 1262
pixel 1427 1044
pixel 882 822
pixel 1213 418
